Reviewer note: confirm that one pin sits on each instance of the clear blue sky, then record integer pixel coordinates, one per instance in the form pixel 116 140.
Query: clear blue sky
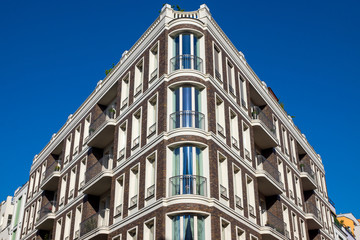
pixel 52 54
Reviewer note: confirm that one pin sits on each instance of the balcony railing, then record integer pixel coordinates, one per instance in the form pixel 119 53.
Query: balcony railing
pixel 186 61
pixel 99 219
pixel 109 113
pixel 264 164
pixel 187 118
pixel 45 210
pixel 260 115
pixel 187 184
pixel 276 223
pixel 54 167
pixel 306 168
pixel 312 209
pixel 105 163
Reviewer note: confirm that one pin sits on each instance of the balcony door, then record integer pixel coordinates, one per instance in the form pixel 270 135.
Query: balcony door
pixel 186 51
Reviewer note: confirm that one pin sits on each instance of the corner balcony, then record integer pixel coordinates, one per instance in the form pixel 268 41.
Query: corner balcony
pixel 313 216
pixel 264 129
pixel 273 228
pixel 101 131
pixel 307 177
pixel 51 176
pixel 187 119
pixel 45 216
pixel 187 184
pixel 185 62
pixel 269 177
pixel 96 226
pixel 98 176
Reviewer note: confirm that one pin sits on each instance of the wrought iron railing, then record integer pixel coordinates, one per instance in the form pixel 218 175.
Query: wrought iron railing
pixel 99 219
pixel 109 113
pixel 186 61
pixel 264 164
pixel 105 163
pixel 260 115
pixel 187 184
pixel 187 118
pixel 54 167
pixel 276 223
pixel 312 209
pixel 45 210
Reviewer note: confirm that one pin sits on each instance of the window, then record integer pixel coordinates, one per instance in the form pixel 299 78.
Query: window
pixel 153 63
pixel 323 184
pixel 293 150
pixel 72 183
pixel 149 230
pixel 67 149
pixel 276 124
pixel 225 230
pixel 187 176
pixel 119 196
pixel 243 92
pixel 62 190
pixel 77 140
pixel 125 92
pixel 319 180
pixel 295 225
pixel 238 189
pixel 186 108
pixel 136 130
pixel 132 234
pixel 37 177
pixel 122 141
pixel 86 129
pixel 234 130
pixel 246 141
pixel 139 68
pixel 281 170
pixel 67 226
pixel 298 191
pixel 240 234
pixel 287 221
pixel 43 169
pixel 31 184
pixel 185 227
pixel 290 184
pixel 134 187
pixel 26 217
pixel 78 214
pixel 217 63
pixel 82 174
pixel 220 116
pixel 38 207
pixel 150 181
pixel 152 117
pixel 250 193
pixel 285 141
pixel 31 217
pixel 231 79
pixel 223 177
pixel 302 229
pixel 58 229
pixel 186 54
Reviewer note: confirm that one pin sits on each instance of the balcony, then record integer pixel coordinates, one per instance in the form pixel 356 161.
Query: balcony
pixel 307 177
pixel 51 176
pixel 187 184
pixel 101 131
pixel 96 226
pixel 273 228
pixel 45 216
pixel 269 177
pixel 98 176
pixel 186 61
pixel 313 216
pixel 264 129
pixel 187 119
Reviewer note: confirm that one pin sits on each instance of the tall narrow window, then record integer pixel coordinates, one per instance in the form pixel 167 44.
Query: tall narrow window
pixel 31 218
pixel 122 141
pixel 281 170
pixel 77 140
pixel 217 63
pixel 246 141
pixel 323 184
pixel 82 174
pixel 295 226
pixel 276 124
pixel 302 229
pixel 150 177
pixel 231 79
pixel 223 177
pixel 125 92
pixel 220 117
pixel 286 221
pixel 86 129
pixel 298 191
pixel 38 207
pixel 139 68
pixel 153 63
pixel 132 234
pixel 67 226
pixel 119 196
pixel 58 229
pixel 37 177
pixel 240 234
pixel 290 184
pixel 78 214
pixel 293 150
pixel 186 53
pixel 136 130
pixel 225 230
pixel 43 169
pixel 62 190
pixel 152 117
pixel 250 193
pixel 329 220
pixel 134 187
pixel 188 227
pixel 238 189
pixel 31 185
pixel 285 141
pixel 26 217
pixel 234 130
pixel 319 180
pixel 67 149
pixel 243 92
pixel 72 183
pixel 149 230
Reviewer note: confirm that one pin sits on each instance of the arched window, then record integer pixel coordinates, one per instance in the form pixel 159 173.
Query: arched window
pixel 188 227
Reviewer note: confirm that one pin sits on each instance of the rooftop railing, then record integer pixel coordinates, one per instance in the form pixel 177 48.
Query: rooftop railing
pixel 186 61
pixel 187 184
pixel 260 115
pixel 187 118
pixel 105 163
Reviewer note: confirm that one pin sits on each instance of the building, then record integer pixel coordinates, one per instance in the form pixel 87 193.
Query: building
pixel 6 213
pixel 181 140
pixel 349 221
pixel 18 211
pixel 340 232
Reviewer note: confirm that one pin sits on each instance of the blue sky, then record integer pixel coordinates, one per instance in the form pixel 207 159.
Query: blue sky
pixel 52 54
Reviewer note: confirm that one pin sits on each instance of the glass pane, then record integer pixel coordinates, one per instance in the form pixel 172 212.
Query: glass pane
pixel 187 116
